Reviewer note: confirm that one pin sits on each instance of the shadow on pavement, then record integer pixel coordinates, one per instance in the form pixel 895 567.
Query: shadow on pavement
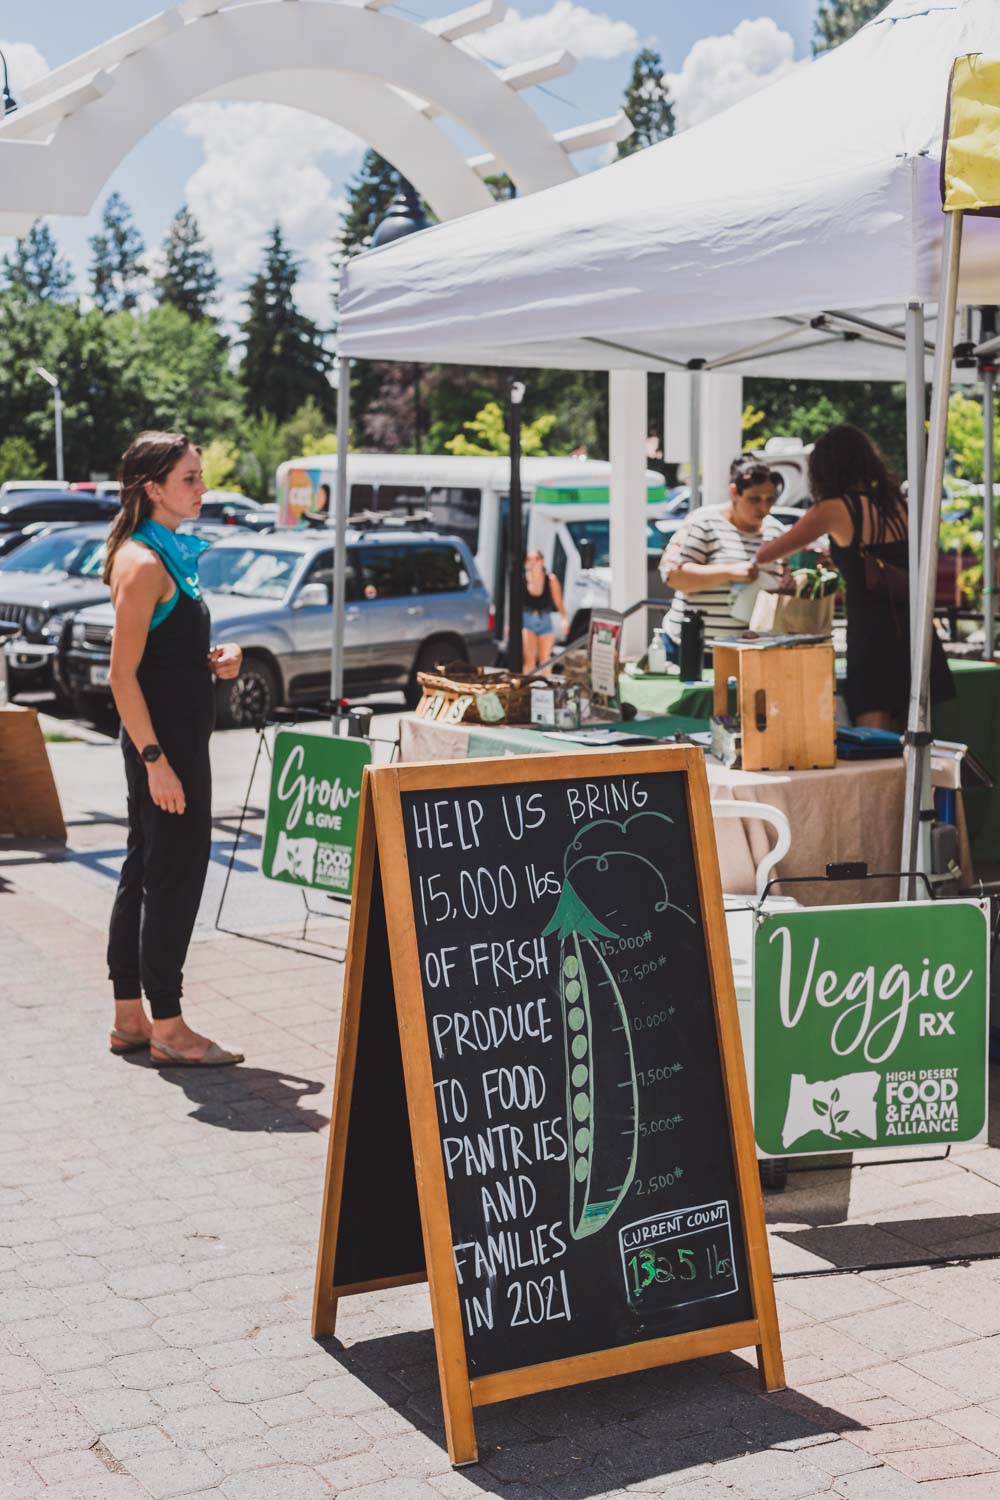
pixel 891 1241
pixel 242 1098
pixel 585 1440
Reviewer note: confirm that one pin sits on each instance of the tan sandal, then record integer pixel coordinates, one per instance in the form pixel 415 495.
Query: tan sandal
pixel 131 1041
pixel 215 1057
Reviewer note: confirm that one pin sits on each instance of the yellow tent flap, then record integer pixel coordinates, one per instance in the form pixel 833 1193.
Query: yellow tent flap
pixel 971 163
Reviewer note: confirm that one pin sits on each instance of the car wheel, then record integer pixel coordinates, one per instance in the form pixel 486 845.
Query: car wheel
pixel 249 699
pixel 428 657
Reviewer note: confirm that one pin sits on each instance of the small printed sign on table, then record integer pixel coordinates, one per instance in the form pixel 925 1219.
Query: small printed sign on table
pixel 312 810
pixel 870 1027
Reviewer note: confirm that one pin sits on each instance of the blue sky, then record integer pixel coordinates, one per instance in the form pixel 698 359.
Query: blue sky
pixel 223 158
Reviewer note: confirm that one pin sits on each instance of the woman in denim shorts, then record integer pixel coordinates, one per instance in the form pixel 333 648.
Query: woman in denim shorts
pixel 542 598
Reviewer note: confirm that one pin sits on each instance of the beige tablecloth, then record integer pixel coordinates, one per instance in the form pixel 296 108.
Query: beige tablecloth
pixel 852 812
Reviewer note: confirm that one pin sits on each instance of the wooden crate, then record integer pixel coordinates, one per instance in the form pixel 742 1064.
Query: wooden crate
pixel 785 698
pixel 29 802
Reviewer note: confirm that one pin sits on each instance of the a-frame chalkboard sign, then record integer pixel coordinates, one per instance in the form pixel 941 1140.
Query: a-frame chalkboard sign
pixel 540 1102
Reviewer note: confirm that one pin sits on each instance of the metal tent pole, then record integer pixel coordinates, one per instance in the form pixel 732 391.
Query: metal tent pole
pixel 697 368
pixel 515 533
pixel 989 515
pixel 918 721
pixel 916 440
pixel 340 534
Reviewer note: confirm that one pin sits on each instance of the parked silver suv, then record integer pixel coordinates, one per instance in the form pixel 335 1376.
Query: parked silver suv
pixel 413 598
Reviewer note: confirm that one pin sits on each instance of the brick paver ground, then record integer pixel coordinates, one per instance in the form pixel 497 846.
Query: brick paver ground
pixel 157 1242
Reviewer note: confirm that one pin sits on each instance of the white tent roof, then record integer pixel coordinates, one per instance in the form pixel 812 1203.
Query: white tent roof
pixel 819 194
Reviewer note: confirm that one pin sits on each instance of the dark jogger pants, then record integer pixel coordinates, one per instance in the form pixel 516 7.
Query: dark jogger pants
pixel 161 884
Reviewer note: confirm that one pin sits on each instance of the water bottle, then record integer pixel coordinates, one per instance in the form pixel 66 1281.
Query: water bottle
pixel 692 647
pixel 656 658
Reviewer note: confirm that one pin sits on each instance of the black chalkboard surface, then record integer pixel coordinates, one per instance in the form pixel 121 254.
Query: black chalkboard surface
pixel 591 1185
pixel 581 1144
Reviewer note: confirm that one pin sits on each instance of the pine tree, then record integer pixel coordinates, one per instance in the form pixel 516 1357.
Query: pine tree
pixel 369 194
pixel 838 20
pixel 189 279
pixel 117 271
pixel 285 361
pixel 35 269
pixel 647 104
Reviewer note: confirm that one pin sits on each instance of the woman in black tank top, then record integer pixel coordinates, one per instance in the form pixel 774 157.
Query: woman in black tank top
pixel 859 505
pixel 542 599
pixel 162 671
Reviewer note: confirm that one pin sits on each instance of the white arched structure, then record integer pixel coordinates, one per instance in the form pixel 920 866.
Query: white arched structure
pixel 386 79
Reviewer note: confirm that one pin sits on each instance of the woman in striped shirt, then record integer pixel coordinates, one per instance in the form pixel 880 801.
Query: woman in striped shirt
pixel 717 548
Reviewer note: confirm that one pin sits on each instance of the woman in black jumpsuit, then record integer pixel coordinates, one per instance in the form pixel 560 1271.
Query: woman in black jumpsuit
pixel 162 671
pixel 859 505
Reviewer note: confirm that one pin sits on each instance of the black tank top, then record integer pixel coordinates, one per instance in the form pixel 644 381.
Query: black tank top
pixel 176 681
pixel 542 602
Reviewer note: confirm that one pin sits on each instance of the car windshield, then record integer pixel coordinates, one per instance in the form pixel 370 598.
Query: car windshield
pixel 251 572
pixel 598 533
pixel 61 552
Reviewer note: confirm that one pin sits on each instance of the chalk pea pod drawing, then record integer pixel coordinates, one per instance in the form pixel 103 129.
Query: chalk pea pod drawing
pixel 597 1035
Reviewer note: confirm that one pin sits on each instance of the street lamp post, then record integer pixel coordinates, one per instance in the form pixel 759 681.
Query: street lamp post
pixel 9 103
pixel 53 381
pixel 406 216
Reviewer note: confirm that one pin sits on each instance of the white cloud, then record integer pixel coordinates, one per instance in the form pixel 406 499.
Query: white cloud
pixel 25 65
pixel 564 26
pixel 721 70
pixel 264 164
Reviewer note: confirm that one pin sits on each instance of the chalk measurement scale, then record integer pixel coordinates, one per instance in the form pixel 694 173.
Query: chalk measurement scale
pixel 550 1114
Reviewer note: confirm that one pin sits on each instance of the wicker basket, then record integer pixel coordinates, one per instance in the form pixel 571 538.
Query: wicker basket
pixel 460 694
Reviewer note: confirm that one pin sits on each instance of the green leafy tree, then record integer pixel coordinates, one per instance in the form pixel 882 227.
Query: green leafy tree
pixel 285 361
pixel 489 434
pixel 189 279
pixel 175 373
pixel 219 460
pixel 18 460
pixel 838 20
pixel 964 519
pixel 119 373
pixel 261 453
pixel 35 267
pixel 307 432
pixel 805 409
pixel 648 104
pixel 117 269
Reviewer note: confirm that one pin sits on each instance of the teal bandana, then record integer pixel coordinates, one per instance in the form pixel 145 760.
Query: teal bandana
pixel 178 552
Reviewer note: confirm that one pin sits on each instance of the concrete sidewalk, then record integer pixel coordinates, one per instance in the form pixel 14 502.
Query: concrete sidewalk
pixel 158 1235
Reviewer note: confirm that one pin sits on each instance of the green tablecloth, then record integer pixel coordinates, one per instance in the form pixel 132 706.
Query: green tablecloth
pixel 973 718
pixel 668 695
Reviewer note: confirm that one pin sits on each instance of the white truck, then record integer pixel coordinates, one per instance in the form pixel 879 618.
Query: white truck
pixel 566 513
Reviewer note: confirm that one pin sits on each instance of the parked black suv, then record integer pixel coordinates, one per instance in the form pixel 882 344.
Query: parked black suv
pixel 24 514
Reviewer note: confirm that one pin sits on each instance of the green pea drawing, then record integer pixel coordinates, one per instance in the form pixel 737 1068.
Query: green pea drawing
pixel 597 1035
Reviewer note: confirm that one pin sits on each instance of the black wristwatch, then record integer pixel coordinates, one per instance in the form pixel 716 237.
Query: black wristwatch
pixel 151 753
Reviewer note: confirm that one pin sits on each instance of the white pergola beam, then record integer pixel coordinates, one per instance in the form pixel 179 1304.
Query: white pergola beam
pixel 473 18
pixel 197 10
pixel 107 55
pixel 598 133
pixel 539 70
pixel 580 138
pixel 523 76
pixel 49 110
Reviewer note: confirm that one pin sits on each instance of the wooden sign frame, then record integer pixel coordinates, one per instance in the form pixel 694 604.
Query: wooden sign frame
pixel 381 837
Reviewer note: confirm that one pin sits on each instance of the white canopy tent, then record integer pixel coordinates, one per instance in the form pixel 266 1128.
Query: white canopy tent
pixel 797 234
pixel 818 194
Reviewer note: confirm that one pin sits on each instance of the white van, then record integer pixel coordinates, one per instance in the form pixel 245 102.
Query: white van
pixel 565 515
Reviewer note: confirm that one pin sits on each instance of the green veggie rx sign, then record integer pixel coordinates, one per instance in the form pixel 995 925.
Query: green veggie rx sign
pixel 312 811
pixel 870 1027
